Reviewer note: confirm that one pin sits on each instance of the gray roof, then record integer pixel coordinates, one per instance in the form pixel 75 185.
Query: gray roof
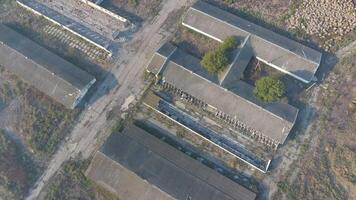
pixel 42 69
pixel 274 120
pixel 159 58
pixel 238 66
pixel 165 172
pixel 278 51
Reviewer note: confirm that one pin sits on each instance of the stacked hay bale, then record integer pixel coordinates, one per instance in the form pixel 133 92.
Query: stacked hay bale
pixel 329 20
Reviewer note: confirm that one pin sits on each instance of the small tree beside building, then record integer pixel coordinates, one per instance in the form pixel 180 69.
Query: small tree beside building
pixel 269 89
pixel 216 60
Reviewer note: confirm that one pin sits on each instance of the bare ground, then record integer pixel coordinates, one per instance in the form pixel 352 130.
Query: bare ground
pixel 92 128
pixel 313 171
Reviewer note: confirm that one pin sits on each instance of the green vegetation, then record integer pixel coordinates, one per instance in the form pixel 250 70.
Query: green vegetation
pixel 17 170
pixel 314 181
pixel 44 121
pixel 47 125
pixel 286 189
pixel 133 2
pixel 216 60
pixel 345 163
pixel 229 1
pixel 71 183
pixel 68 180
pixel 269 89
pixel 118 126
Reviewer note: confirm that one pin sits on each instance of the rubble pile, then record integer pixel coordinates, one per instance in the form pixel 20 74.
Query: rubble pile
pixel 329 20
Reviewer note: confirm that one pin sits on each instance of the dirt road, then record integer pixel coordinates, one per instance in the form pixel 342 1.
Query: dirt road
pixel 92 126
pixel 290 152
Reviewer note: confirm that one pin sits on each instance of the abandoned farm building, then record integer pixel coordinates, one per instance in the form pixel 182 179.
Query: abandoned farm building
pixel 282 53
pixel 183 74
pixel 136 165
pixel 42 69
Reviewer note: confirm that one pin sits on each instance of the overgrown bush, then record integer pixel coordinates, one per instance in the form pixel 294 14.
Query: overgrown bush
pixel 269 89
pixel 216 60
pixel 17 169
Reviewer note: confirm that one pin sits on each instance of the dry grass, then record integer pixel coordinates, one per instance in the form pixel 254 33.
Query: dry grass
pixel 326 169
pixel 193 42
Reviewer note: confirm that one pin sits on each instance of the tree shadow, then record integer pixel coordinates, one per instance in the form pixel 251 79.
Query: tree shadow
pixel 189 48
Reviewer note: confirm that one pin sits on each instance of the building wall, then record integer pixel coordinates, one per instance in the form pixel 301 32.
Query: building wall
pixel 239 65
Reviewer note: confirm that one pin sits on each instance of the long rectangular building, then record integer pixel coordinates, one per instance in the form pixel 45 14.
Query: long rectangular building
pixel 282 53
pixel 135 165
pixel 67 23
pixel 272 122
pixel 47 72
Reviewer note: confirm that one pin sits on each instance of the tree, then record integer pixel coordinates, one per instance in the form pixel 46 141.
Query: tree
pixel 229 43
pixel 269 89
pixel 216 60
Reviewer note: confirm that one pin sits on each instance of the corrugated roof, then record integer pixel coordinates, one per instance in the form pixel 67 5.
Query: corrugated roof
pixel 164 168
pixel 42 69
pixel 278 51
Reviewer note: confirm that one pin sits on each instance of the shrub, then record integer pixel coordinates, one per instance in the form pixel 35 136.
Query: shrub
pixel 229 43
pixel 216 60
pixel 269 89
pixel 229 1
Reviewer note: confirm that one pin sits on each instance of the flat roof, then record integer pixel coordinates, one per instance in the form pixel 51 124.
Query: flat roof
pixel 274 120
pixel 276 50
pixel 160 57
pixel 159 171
pixel 42 69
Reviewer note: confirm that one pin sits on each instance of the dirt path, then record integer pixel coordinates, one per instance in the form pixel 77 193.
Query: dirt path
pixel 346 50
pixel 289 153
pixel 92 126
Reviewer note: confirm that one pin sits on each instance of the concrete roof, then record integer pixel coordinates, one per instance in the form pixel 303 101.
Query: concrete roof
pixel 159 58
pixel 42 69
pixel 121 181
pixel 144 167
pixel 278 51
pixel 274 120
pixel 274 126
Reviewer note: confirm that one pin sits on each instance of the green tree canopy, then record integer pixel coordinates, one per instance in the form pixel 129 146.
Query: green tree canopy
pixel 269 89
pixel 216 60
pixel 229 43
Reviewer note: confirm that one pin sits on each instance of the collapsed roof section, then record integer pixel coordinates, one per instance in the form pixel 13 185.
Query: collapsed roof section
pixel 274 120
pixel 42 69
pixel 282 53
